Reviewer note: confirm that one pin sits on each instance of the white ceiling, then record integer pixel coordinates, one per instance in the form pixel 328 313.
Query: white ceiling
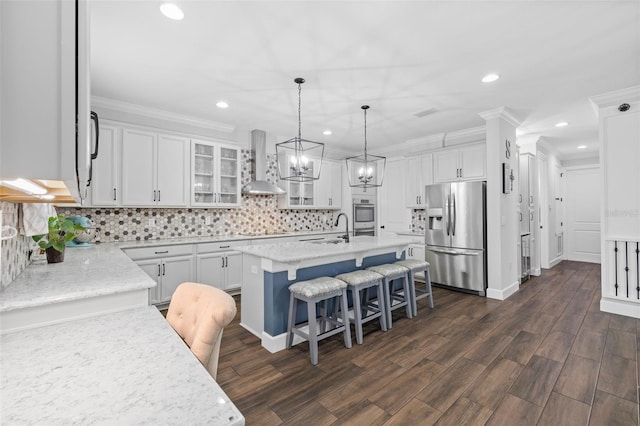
pixel 400 57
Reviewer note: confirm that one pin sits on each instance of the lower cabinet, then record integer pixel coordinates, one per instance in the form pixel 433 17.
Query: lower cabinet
pixel 222 270
pixel 168 272
pixel 417 251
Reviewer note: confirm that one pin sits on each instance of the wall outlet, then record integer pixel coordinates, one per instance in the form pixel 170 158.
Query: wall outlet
pixel 207 220
pixel 152 222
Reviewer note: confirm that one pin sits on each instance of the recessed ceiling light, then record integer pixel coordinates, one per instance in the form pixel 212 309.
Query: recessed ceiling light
pixel 519 132
pixel 490 78
pixel 222 104
pixel 562 124
pixel 172 11
pixel 327 132
pixel 582 147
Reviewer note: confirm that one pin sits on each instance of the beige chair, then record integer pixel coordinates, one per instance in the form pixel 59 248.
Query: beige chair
pixel 199 313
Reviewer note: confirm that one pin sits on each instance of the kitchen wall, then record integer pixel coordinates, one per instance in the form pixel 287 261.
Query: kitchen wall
pixel 14 251
pixel 259 215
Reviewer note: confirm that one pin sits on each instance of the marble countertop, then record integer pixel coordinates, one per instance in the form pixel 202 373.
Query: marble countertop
pixel 128 367
pixel 86 272
pixel 96 270
pixel 291 252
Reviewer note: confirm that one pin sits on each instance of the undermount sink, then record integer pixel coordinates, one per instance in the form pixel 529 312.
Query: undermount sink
pixel 332 241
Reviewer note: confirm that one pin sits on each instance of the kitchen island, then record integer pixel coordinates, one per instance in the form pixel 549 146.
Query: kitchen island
pixel 269 269
pixel 127 367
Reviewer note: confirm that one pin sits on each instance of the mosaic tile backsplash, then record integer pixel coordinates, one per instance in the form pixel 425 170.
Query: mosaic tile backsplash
pixel 259 215
pixel 14 251
pixel 418 220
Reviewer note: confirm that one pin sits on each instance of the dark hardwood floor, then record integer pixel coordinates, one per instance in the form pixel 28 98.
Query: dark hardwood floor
pixel 545 356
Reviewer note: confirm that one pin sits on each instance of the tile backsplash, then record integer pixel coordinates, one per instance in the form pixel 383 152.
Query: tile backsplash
pixel 418 220
pixel 14 251
pixel 259 215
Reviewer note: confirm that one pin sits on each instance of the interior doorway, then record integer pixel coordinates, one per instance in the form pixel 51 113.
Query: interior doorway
pixel 582 214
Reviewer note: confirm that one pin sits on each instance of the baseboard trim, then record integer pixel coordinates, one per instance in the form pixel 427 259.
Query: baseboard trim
pixel 278 343
pixel 536 272
pixel 620 307
pixel 493 293
pixel 555 261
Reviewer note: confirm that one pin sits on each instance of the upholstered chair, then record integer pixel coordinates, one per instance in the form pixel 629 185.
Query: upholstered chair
pixel 199 313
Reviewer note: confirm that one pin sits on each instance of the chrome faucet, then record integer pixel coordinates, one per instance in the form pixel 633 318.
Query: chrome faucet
pixel 346 219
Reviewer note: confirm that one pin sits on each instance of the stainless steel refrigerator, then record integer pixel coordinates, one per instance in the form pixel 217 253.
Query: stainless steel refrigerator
pixel 455 235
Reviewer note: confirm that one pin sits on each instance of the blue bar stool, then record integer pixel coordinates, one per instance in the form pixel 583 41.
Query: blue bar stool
pixel 394 299
pixel 364 309
pixel 415 268
pixel 312 292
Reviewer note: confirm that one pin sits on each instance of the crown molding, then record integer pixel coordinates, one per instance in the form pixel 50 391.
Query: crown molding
pixel 160 114
pixel 630 95
pixel 501 112
pixel 470 135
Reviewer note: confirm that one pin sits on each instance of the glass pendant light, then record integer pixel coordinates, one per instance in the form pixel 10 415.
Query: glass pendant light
pixel 366 170
pixel 299 160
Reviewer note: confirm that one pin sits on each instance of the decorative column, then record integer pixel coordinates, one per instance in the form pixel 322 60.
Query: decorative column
pixel 503 230
pixel 619 118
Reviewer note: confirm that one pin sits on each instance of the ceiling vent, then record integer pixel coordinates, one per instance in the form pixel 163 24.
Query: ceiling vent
pixel 424 112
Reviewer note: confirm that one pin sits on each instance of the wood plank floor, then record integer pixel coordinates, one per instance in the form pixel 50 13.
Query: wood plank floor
pixel 545 356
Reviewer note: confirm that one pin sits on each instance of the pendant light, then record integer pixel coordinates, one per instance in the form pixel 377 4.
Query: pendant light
pixel 299 160
pixel 366 170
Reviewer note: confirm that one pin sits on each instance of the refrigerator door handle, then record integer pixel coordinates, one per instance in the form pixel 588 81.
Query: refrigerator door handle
pixel 455 252
pixel 453 222
pixel 446 214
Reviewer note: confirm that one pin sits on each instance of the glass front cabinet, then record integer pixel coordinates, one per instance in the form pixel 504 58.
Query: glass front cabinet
pixel 299 195
pixel 215 174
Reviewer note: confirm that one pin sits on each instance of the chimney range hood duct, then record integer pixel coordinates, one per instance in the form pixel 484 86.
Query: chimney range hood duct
pixel 259 184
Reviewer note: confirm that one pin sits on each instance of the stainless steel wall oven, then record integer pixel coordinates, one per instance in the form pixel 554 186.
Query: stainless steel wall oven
pixel 364 216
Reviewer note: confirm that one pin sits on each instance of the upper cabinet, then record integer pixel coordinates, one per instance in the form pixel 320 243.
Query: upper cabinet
pixel 215 174
pixel 329 186
pixel 465 163
pixel 105 189
pixel 324 193
pixel 154 169
pixel 419 172
pixel 300 195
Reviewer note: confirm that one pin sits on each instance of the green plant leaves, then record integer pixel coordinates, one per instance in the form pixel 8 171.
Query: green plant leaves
pixel 61 231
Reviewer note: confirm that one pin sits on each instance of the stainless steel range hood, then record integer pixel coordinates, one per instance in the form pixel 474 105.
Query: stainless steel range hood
pixel 259 184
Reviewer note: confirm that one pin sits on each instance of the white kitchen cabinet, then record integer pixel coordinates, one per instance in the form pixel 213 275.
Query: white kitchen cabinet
pixel 169 266
pixel 218 265
pixel 215 174
pixel 419 174
pixel 329 186
pixel 300 195
pixel 44 64
pixel 105 188
pixel 465 163
pixel 154 169
pixel 417 251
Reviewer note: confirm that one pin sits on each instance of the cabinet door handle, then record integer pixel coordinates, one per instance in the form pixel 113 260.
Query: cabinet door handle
pixel 163 268
pixel 114 194
pixel 158 195
pixel 530 216
pixel 520 216
pixel 158 269
pixel 154 196
pixel 520 198
pixel 224 246
pixel 416 199
pixel 222 260
pixel 161 252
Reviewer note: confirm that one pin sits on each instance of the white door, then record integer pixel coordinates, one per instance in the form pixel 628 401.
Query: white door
pixel 412 183
pixel 393 215
pixel 175 271
pixel 582 208
pixel 104 187
pixel 210 269
pixel 172 170
pixel 473 164
pixel 233 267
pixel 445 166
pixel 138 186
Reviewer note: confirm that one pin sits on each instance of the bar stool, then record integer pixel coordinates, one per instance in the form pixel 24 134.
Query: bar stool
pixel 312 292
pixel 365 310
pixel 416 267
pixel 394 299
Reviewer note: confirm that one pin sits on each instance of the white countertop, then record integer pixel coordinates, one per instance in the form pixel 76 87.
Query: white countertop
pixel 97 270
pixel 292 252
pixel 128 367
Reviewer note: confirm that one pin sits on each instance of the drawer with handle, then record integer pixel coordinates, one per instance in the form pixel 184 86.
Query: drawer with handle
pixel 159 251
pixel 220 246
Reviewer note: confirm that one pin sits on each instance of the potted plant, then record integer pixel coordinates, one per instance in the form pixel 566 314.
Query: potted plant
pixel 61 231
